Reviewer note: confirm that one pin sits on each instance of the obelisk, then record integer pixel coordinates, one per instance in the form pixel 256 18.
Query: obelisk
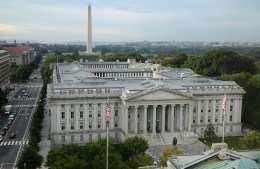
pixel 89 44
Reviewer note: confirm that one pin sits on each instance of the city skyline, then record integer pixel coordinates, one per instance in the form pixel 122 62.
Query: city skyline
pixel 114 20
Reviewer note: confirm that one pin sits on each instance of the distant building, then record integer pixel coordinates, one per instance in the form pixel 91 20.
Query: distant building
pixel 20 54
pixel 4 69
pixel 145 99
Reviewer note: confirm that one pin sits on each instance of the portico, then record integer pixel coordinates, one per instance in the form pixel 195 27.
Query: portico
pixel 145 114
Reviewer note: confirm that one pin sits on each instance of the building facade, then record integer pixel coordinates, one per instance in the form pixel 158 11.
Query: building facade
pixel 4 69
pixel 177 101
pixel 20 54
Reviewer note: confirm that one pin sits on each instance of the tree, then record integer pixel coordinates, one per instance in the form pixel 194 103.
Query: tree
pixel 210 131
pixel 132 146
pixel 251 140
pixel 31 158
pixel 168 152
pixel 139 160
pixel 3 99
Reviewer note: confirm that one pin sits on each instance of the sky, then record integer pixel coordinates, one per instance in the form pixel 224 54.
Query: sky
pixel 131 20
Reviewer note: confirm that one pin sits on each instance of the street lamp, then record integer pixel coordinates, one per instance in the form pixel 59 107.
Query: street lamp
pixel 24 164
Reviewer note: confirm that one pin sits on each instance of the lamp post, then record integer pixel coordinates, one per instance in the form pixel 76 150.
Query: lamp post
pixel 24 164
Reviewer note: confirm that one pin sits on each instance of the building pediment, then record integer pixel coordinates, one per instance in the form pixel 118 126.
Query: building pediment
pixel 159 94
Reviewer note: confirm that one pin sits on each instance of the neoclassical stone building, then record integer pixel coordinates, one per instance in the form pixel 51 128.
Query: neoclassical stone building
pixel 145 99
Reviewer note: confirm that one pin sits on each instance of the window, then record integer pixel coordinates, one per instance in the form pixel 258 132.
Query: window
pixel 201 119
pixel 129 116
pixel 216 129
pixel 116 125
pixel 63 139
pixel 81 114
pixel 72 126
pixel 63 126
pixel 90 91
pixel 72 106
pixel 201 110
pixel 231 100
pixel 217 101
pixel 81 137
pixel 63 106
pixel 99 105
pixel 72 114
pixel 216 108
pixel 209 101
pixel 230 118
pixel 216 119
pixel 90 114
pixel 209 110
pixel 194 110
pixel 81 106
pixel 90 125
pixel 81 125
pixel 63 115
pixel 202 101
pixel 72 138
pixel 99 124
pixel 99 113
pixel 99 91
pixel 231 108
pixel 90 137
pixel 90 106
pixel 194 120
pixel 209 119
pixel 116 113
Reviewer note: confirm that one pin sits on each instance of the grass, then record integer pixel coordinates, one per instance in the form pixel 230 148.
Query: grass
pixel 233 142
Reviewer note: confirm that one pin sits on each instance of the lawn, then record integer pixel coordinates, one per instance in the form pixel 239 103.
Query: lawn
pixel 233 142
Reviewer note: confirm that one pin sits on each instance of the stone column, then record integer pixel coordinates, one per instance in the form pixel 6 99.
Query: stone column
pixel 199 111
pixel 206 114
pixel 145 119
pixel 172 117
pixel 228 110
pixel 135 119
pixel 190 116
pixel 187 117
pixel 163 118
pixel 181 116
pixel 112 116
pixel 154 119
pixel 213 111
pixel 94 116
pixel 126 120
pixel 239 110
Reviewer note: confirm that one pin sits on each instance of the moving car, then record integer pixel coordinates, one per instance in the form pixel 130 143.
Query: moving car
pixel 12 135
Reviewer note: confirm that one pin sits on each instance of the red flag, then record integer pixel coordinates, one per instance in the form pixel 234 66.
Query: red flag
pixel 224 103
pixel 107 113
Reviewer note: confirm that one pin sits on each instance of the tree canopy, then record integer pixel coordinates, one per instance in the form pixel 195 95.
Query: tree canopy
pixel 168 152
pixel 93 155
pixel 218 62
pixel 210 131
pixel 251 140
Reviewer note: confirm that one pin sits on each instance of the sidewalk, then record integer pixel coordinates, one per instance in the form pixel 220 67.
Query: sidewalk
pixel 45 144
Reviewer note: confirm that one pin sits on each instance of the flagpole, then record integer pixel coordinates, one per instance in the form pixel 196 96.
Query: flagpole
pixel 107 125
pixel 107 146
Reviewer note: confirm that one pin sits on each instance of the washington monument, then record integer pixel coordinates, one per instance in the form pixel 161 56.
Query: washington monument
pixel 89 43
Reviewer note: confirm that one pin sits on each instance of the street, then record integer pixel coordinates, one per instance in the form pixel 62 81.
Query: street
pixel 10 148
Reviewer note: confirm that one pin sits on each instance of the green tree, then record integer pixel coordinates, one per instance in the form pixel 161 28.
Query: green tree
pixel 210 131
pixel 139 160
pixel 168 152
pixel 132 146
pixel 3 99
pixel 251 140
pixel 31 158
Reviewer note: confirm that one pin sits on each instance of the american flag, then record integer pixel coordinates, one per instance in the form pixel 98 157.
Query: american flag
pixel 224 103
pixel 107 113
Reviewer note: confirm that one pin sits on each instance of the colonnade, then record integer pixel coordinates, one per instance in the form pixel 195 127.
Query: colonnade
pixel 157 118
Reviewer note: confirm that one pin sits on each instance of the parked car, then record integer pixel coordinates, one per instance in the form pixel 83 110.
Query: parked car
pixel 14 113
pixel 5 127
pixel 9 122
pixel 2 132
pixel 30 106
pixel 12 135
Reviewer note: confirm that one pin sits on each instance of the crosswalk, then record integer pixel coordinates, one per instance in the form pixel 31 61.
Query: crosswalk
pixel 24 98
pixel 8 143
pixel 24 105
